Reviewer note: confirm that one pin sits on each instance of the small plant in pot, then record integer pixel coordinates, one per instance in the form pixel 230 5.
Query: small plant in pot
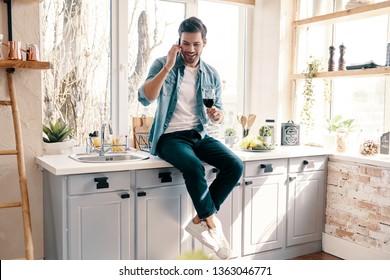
pixel 230 137
pixel 265 133
pixel 56 138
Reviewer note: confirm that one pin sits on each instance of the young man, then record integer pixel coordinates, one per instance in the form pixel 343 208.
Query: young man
pixel 178 134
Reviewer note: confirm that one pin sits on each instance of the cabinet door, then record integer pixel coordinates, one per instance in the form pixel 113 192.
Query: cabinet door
pixel 162 214
pixel 99 226
pixel 263 212
pixel 305 207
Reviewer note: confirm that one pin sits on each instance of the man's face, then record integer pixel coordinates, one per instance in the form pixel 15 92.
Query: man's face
pixel 192 45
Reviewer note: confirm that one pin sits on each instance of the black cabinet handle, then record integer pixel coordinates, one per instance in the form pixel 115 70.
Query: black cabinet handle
pixel 290 179
pixel 215 170
pixel 165 177
pixel 101 183
pixel 305 162
pixel 125 195
pixel 248 183
pixel 141 194
pixel 238 184
pixel 267 167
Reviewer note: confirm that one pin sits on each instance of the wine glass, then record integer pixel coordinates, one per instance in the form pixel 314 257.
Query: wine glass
pixel 208 96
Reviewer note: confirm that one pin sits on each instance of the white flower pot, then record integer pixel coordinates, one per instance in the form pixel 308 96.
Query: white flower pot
pixel 59 148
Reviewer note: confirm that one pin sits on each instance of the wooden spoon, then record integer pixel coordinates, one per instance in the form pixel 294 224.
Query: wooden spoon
pixel 243 121
pixel 251 120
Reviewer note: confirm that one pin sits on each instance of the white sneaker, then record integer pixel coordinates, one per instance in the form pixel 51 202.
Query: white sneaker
pixel 201 232
pixel 224 247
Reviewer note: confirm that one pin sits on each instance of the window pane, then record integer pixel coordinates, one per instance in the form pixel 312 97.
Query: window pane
pixel 226 53
pixel 76 40
pixel 153 29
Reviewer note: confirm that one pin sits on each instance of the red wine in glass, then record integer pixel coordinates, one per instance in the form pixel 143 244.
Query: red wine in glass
pixel 208 102
pixel 208 96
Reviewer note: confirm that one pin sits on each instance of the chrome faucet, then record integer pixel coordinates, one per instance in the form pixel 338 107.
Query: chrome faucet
pixel 102 150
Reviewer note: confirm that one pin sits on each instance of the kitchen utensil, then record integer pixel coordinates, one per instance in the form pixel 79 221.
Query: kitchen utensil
pixel 32 52
pixel 251 120
pixel 15 52
pixel 243 121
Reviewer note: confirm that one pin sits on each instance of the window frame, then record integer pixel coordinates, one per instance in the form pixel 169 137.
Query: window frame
pixel 119 89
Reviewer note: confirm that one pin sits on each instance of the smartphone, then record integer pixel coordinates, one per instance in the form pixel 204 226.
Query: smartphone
pixel 179 41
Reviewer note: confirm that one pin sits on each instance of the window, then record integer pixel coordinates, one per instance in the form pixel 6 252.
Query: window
pixel 100 56
pixel 360 98
pixel 76 40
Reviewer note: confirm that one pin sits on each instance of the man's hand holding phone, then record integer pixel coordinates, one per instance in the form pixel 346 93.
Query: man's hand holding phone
pixel 172 54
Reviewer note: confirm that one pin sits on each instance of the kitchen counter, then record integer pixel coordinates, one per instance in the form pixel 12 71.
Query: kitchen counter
pixel 63 165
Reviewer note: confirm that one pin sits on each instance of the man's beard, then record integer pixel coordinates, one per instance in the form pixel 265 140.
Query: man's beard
pixel 191 58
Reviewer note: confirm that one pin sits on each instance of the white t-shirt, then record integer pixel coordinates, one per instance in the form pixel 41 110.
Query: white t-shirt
pixel 184 117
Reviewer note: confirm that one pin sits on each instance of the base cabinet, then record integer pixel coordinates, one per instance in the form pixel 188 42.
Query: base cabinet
pixel 88 217
pixel 264 206
pixel 306 200
pixel 162 214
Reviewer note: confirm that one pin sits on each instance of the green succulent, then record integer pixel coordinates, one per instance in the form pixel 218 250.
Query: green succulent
pixel 230 132
pixel 265 131
pixel 56 132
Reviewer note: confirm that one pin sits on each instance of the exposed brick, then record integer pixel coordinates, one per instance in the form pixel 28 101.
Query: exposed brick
pixel 344 233
pixel 371 171
pixel 379 218
pixel 384 210
pixel 367 206
pixel 364 179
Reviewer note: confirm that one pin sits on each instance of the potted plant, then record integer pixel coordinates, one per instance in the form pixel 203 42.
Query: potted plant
pixel 230 137
pixel 265 132
pixel 56 138
pixel 338 129
pixel 314 66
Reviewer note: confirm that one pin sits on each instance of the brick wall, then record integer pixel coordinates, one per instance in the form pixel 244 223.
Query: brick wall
pixel 358 204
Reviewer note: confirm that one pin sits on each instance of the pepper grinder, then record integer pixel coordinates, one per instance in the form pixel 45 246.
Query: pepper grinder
pixel 331 62
pixel 341 59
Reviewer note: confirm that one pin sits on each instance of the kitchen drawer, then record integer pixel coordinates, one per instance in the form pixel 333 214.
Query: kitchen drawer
pixel 98 182
pixel 158 177
pixel 166 176
pixel 265 167
pixel 302 164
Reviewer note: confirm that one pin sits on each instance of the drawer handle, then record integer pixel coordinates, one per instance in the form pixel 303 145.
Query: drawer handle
pixel 165 177
pixel 238 184
pixel 267 167
pixel 248 183
pixel 101 183
pixel 308 164
pixel 290 179
pixel 215 170
pixel 141 194
pixel 125 195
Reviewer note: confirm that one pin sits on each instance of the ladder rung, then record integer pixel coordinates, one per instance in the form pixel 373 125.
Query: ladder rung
pixel 8 152
pixel 11 204
pixel 5 102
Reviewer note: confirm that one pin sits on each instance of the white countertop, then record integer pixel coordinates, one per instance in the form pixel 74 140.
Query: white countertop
pixel 63 165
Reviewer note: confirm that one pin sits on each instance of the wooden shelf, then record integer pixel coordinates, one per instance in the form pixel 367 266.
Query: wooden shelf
pixel 38 65
pixel 365 11
pixel 380 71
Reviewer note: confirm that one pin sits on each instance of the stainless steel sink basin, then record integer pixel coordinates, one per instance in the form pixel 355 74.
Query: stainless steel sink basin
pixel 109 157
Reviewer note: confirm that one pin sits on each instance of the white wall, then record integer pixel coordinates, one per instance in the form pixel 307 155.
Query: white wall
pixel 28 91
pixel 271 54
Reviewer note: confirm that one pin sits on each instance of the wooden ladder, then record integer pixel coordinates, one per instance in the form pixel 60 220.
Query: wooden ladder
pixel 19 153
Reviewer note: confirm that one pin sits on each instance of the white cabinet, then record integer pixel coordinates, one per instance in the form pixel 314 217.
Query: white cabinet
pixel 163 209
pixel 264 205
pixel 306 199
pixel 88 216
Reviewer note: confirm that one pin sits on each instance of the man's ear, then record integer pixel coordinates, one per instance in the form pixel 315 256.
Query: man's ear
pixel 204 42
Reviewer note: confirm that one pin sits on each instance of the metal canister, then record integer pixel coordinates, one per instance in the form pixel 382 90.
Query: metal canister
pixel 14 50
pixel 32 52
pixel 290 134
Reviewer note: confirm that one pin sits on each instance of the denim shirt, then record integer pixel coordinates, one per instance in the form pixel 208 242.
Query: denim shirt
pixel 207 78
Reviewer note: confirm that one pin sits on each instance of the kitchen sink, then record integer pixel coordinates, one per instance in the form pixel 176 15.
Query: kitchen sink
pixel 109 157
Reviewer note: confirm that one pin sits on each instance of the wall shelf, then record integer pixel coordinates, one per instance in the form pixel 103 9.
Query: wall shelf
pixel 38 65
pixel 361 12
pixel 380 71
